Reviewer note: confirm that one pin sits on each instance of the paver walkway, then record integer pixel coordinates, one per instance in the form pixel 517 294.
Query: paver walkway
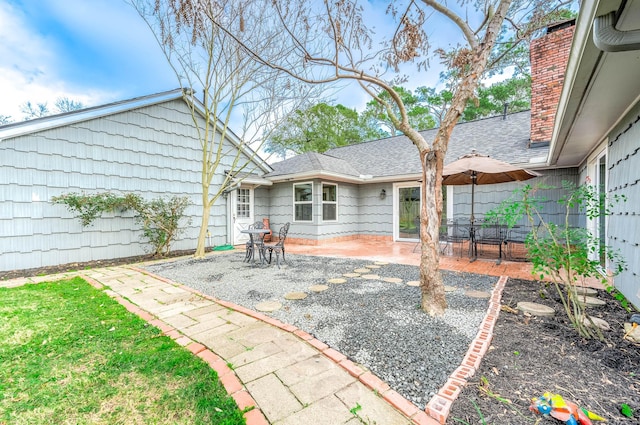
pixel 290 377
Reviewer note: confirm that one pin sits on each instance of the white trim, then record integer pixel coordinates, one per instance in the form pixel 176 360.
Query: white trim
pixel 343 178
pixel 593 172
pixel 396 205
pixel 449 202
pixel 293 194
pixel 322 202
pixel 578 45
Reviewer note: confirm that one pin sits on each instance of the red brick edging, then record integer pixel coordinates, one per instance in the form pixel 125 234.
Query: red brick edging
pixel 438 407
pixel 441 403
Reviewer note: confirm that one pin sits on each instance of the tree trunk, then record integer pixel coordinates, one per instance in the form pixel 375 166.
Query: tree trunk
pixel 204 224
pixel 433 299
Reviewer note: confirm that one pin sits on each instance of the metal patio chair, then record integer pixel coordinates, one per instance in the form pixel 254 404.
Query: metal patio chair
pixel 277 247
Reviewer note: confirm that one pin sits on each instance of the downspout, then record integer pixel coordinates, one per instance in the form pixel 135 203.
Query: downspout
pixel 608 39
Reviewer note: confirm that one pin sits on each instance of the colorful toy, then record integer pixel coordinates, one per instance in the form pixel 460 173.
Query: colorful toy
pixel 566 411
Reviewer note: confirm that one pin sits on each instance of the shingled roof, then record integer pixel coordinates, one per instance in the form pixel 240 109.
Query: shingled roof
pixel 503 139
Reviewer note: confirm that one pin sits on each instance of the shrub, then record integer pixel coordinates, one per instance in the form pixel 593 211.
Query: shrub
pixel 566 254
pixel 159 218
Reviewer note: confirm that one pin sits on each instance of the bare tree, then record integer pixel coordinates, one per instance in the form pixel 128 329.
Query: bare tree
pixel 5 119
pixel 330 42
pixel 32 111
pixel 234 88
pixel 64 104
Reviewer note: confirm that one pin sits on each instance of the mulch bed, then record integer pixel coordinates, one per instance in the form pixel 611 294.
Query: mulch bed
pixel 532 355
pixel 62 268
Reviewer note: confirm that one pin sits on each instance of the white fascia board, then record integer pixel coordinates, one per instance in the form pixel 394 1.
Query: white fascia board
pixel 259 181
pixel 232 137
pixel 46 123
pixel 342 177
pixel 588 10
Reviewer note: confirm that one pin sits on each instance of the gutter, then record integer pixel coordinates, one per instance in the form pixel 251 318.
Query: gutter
pixel 588 10
pixel 362 179
pixel 608 39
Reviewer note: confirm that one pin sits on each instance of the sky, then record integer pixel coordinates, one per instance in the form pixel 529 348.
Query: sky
pixel 95 52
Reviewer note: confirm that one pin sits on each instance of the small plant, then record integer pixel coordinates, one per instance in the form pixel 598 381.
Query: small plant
pixel 480 415
pixel 356 409
pixel 566 254
pixel 626 410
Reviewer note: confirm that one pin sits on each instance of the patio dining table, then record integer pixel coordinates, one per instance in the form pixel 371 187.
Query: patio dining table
pixel 487 234
pixel 253 234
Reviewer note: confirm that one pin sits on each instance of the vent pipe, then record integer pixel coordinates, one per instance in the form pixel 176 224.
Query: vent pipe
pixel 609 39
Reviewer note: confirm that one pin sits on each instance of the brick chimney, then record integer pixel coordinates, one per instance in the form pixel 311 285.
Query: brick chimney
pixel 549 57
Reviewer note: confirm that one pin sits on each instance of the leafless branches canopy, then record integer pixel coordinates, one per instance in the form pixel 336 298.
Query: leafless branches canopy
pixel 223 84
pixel 328 41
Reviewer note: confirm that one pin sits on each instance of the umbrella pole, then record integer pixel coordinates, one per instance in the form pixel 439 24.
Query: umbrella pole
pixel 472 230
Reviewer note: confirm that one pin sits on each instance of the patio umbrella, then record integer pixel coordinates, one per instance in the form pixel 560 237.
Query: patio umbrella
pixel 475 168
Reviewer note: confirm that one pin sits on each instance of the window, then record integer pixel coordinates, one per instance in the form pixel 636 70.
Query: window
pixel 303 202
pixel 243 208
pixel 329 202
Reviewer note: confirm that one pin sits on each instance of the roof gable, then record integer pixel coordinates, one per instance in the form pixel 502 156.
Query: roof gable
pixel 67 118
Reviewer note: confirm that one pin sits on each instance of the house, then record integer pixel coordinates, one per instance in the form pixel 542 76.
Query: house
pixel 588 126
pixel 147 145
pixel 597 128
pixel 371 190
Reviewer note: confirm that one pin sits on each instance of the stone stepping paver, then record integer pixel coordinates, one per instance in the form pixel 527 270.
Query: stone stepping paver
pixel 337 280
pixel 352 274
pixel 268 306
pixel 598 323
pixel 477 294
pixel 535 309
pixel 362 270
pixel 448 288
pixel 295 296
pixel 373 266
pixel 370 276
pixel 318 288
pixel 590 301
pixel 381 263
pixel 581 290
pixel 392 279
pixel 413 283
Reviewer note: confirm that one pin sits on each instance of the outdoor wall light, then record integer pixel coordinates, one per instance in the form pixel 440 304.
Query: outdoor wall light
pixel 383 194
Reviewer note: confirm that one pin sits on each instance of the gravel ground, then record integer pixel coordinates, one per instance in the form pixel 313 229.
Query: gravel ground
pixel 375 323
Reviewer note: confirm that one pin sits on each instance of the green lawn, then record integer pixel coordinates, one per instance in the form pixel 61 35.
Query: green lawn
pixel 69 354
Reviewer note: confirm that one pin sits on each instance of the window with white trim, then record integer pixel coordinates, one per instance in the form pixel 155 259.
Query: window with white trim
pixel 243 205
pixel 329 202
pixel 303 202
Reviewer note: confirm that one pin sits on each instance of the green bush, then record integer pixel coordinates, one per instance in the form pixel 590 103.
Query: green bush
pixel 566 254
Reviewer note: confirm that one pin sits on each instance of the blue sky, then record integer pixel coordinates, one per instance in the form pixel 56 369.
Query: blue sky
pixel 96 52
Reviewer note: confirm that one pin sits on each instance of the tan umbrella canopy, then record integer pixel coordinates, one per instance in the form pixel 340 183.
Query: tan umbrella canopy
pixel 475 168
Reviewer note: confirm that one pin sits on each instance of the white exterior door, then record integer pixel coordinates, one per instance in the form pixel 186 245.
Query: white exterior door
pixel 406 207
pixel 242 213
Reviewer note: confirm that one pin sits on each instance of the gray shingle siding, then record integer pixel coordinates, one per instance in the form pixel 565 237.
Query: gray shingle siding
pixel 152 150
pixel 488 197
pixel 624 179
